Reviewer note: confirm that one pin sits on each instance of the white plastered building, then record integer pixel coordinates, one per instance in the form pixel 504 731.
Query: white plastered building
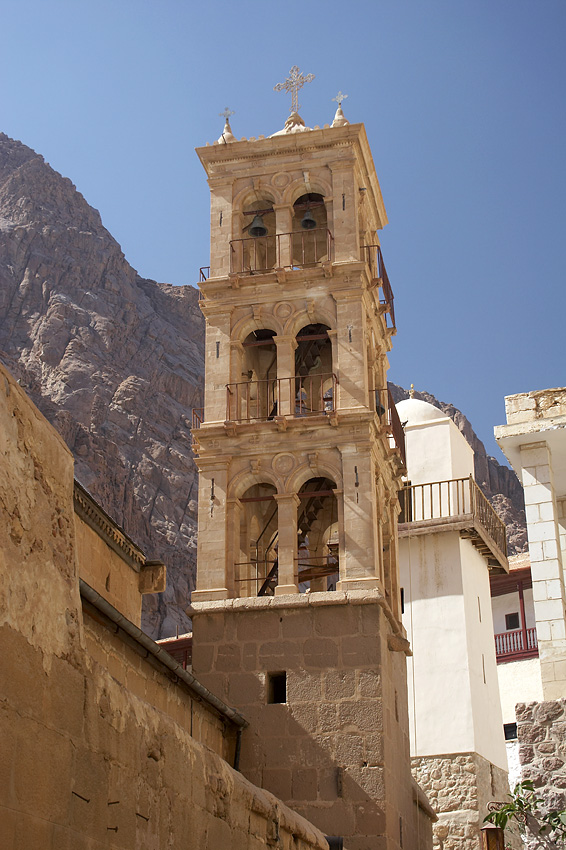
pixel 449 540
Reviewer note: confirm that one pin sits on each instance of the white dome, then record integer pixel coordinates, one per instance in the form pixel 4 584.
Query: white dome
pixel 413 411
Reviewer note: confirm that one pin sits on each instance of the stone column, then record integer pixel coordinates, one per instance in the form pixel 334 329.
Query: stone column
pixel 287 504
pixel 220 225
pixel 212 578
pixel 217 363
pixel 286 346
pixel 350 347
pixel 546 566
pixel 283 225
pixel 357 559
pixel 234 553
pixel 345 211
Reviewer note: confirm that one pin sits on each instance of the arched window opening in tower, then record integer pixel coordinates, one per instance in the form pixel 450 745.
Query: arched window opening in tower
pixel 311 241
pixel 315 382
pixel 258 247
pixel 255 564
pixel 317 536
pixel 255 395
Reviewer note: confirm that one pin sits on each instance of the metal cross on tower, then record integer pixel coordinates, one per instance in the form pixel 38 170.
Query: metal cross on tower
pixel 226 114
pixel 293 83
pixel 339 98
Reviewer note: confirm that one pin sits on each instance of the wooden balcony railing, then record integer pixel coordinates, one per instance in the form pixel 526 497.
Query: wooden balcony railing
pixel 299 249
pixel 264 400
pixel 374 259
pixel 520 643
pixel 458 503
pixel 387 412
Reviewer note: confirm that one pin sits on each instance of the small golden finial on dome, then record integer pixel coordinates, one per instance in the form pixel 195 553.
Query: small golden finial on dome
pixel 412 391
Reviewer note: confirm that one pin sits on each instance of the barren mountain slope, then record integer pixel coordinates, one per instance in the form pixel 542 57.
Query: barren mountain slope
pixel 115 362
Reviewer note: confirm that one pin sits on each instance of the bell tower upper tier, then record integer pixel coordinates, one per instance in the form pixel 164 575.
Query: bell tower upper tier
pixel 328 172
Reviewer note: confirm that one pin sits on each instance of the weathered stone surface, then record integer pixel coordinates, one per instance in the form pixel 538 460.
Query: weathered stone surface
pixel 459 788
pixel 114 362
pixel 99 747
pixel 542 749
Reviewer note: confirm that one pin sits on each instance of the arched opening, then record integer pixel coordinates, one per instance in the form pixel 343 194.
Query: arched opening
pixel 310 239
pixel 317 530
pixel 258 244
pixel 315 383
pixel 258 539
pixel 255 395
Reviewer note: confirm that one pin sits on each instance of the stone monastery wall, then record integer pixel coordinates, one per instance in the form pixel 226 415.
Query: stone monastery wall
pixel 96 747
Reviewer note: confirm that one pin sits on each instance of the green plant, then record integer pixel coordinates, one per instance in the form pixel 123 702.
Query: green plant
pixel 525 810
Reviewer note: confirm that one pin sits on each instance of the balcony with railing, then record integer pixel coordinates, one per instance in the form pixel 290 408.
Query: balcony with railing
pixel 296 250
pixel 388 416
pixel 378 277
pixel 264 400
pixel 516 645
pixel 455 505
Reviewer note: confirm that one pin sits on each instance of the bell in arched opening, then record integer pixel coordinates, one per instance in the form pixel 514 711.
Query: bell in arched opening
pixel 257 227
pixel 308 221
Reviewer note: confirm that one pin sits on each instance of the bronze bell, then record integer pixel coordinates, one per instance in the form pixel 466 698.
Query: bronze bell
pixel 308 222
pixel 257 227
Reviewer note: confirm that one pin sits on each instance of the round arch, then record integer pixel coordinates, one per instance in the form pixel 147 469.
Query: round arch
pixel 319 469
pixel 246 479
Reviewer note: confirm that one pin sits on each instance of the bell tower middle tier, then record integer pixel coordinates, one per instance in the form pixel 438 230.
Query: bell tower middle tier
pixel 299 447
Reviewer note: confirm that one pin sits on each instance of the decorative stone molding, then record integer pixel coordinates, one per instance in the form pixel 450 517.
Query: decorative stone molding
pixel 90 511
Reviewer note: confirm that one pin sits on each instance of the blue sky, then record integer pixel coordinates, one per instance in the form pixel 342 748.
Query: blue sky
pixel 464 106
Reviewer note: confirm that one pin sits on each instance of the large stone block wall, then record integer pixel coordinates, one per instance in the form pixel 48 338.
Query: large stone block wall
pixel 89 755
pixel 337 750
pixel 459 787
pixel 541 730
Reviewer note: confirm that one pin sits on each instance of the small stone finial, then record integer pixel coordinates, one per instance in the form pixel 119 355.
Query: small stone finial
pixel 227 135
pixel 339 119
pixel 412 391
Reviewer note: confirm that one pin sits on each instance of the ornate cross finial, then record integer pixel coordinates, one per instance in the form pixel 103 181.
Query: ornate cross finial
pixel 339 98
pixel 226 114
pixel 293 83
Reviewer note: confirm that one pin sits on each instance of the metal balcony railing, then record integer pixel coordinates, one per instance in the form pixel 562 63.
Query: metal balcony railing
pixel 299 249
pixel 374 259
pixel 517 644
pixel 264 400
pixel 458 503
pixel 387 412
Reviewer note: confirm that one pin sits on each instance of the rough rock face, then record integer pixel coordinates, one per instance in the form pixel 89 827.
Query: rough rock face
pixel 499 483
pixel 114 362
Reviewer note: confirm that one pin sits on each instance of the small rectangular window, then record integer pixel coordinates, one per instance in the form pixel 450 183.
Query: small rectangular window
pixel 512 621
pixel 510 731
pixel 277 687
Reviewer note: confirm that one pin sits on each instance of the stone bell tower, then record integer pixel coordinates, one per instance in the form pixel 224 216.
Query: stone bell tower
pixel 300 454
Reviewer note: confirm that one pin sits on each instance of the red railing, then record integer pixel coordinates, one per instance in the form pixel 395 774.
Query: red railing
pixel 280 251
pixel 387 412
pixel 520 643
pixel 264 400
pixel 374 259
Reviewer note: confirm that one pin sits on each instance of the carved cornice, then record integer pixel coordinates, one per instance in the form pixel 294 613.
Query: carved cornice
pixel 90 512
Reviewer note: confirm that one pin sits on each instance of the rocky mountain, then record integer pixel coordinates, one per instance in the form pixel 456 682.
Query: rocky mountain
pixel 115 362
